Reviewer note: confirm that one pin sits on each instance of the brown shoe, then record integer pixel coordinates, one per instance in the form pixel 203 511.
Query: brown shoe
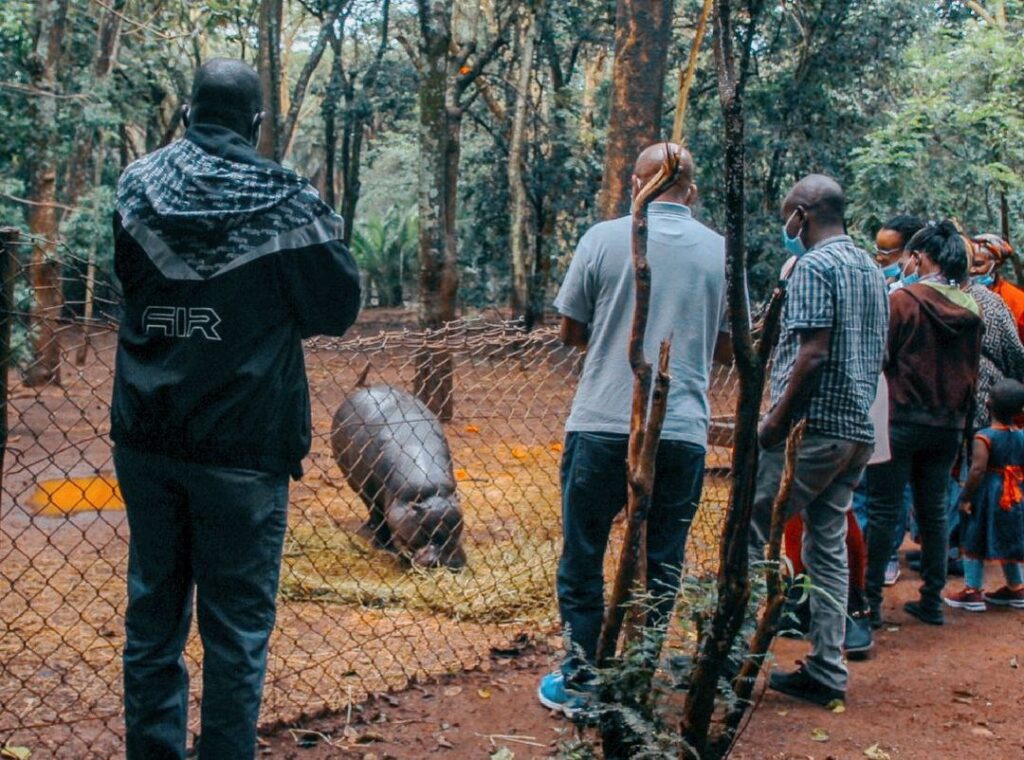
pixel 1006 597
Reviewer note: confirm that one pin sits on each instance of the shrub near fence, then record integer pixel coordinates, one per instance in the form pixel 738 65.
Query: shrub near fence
pixel 352 620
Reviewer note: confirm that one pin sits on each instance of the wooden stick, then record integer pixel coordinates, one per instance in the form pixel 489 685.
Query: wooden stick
pixel 686 75
pixel 733 582
pixel 9 237
pixel 768 625
pixel 644 432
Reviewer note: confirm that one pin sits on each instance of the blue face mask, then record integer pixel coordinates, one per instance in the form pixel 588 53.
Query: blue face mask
pixel 793 244
pixel 893 270
pixel 910 279
pixel 987 280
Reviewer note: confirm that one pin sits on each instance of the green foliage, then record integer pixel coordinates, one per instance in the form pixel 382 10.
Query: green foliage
pixel 636 702
pixel 385 250
pixel 914 106
pixel 952 143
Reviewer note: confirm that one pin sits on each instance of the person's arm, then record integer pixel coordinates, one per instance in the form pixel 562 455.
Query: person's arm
pixel 577 296
pixel 573 333
pixel 812 355
pixel 979 464
pixel 321 285
pixel 809 311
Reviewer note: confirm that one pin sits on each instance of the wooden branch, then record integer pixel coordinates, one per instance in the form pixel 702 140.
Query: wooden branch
pixel 983 14
pixel 465 80
pixel 410 50
pixel 733 582
pixel 768 625
pixel 308 69
pixel 686 75
pixel 645 431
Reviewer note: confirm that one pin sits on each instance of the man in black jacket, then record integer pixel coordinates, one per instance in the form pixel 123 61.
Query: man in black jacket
pixel 227 261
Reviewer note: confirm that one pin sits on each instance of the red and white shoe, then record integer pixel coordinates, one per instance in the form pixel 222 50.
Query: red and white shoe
pixel 1007 597
pixel 969 599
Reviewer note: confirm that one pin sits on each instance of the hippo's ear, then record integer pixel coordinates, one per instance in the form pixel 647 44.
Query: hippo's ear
pixel 456 558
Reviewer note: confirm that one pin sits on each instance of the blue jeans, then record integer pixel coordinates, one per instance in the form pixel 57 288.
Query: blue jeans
pixel 215 533
pixel 593 493
pixel 861 508
pixel 974 573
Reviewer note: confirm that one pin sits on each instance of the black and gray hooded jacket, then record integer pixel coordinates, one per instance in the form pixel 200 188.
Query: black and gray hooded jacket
pixel 227 261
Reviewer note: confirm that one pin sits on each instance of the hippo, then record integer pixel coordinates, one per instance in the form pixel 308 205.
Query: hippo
pixel 393 453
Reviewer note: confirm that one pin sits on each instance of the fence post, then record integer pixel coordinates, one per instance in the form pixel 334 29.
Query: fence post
pixel 8 271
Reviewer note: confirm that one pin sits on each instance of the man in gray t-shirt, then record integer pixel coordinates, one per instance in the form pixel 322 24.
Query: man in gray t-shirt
pixel 688 305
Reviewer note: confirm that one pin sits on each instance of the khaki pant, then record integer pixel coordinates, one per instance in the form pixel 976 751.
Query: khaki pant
pixel 827 471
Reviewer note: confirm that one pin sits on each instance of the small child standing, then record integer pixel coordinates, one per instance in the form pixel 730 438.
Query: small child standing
pixel 992 512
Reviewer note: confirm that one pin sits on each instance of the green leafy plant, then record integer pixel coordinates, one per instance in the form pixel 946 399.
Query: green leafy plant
pixel 385 249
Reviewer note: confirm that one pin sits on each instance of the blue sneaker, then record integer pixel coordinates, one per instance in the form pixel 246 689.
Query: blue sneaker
pixel 553 695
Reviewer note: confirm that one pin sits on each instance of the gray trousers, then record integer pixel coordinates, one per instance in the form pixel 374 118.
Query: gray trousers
pixel 827 470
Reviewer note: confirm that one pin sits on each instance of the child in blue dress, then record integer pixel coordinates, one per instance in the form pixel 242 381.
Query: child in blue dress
pixel 992 506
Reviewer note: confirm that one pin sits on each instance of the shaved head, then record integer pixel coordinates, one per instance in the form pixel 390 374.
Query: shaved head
pixel 820 193
pixel 652 157
pixel 226 91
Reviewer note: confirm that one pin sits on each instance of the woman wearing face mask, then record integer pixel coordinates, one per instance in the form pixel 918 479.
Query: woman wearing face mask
pixel 989 255
pixel 933 351
pixel 891 249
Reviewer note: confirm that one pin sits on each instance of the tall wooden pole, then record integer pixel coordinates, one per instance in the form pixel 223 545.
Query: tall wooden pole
pixel 644 429
pixel 8 271
pixel 686 75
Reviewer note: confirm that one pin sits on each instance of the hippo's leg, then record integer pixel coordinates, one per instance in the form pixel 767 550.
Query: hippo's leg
pixel 375 529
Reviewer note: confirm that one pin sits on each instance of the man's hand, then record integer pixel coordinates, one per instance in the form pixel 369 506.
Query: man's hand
pixel 772 432
pixel 965 507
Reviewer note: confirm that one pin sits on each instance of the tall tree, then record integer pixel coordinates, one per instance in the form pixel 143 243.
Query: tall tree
pixel 446 66
pixel 271 18
pixel 642 34
pixel 521 242
pixel 50 25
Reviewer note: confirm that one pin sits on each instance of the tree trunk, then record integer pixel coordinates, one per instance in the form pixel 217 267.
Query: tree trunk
pixel 593 71
pixel 269 66
pixel 733 581
pixel 51 20
pixel 330 115
pixel 439 142
pixel 9 239
pixel 1004 228
pixel 642 32
pixel 519 213
pixel 107 42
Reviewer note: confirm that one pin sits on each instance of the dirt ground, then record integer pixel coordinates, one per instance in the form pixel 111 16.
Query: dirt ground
pixel 926 694
pixel 352 620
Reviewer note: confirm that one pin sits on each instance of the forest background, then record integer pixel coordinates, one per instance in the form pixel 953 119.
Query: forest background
pixel 469 143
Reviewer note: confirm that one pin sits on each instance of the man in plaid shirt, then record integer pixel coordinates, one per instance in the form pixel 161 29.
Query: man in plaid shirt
pixel 825 371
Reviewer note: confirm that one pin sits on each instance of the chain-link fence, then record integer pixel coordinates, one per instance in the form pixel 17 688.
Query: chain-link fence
pixel 354 618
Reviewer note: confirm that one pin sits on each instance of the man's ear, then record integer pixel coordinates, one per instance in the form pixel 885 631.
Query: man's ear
pixel 692 194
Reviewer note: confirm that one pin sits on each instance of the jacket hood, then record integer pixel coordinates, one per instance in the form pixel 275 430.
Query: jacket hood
pixel 948 317
pixel 207 199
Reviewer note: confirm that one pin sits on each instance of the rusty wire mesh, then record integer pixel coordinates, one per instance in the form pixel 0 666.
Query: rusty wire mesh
pixel 353 619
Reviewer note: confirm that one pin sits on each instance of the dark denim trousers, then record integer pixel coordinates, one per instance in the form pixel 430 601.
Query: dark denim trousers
pixel 214 533
pixel 593 493
pixel 921 456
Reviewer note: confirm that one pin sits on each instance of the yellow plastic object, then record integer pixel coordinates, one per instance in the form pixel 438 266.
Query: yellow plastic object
pixel 66 496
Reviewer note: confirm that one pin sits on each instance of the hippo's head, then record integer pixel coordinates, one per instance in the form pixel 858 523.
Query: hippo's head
pixel 428 530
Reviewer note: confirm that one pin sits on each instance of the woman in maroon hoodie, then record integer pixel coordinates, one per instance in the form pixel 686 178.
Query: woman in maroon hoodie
pixel 934 347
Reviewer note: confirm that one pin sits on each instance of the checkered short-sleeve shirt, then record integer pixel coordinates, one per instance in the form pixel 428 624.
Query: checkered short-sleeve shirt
pixel 836 285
